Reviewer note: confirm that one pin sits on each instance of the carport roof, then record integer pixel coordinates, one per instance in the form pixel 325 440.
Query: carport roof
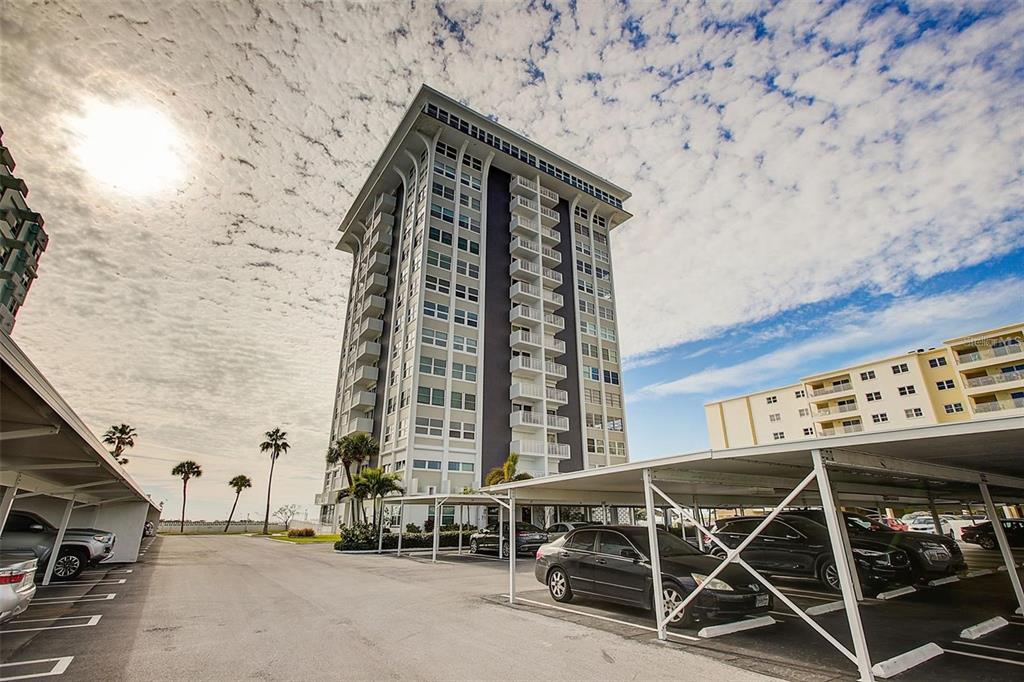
pixel 43 439
pixel 945 461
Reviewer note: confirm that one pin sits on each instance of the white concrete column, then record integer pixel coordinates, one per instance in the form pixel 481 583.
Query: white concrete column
pixel 840 553
pixel 655 558
pixel 380 530
pixel 501 527
pixel 401 526
pixel 462 510
pixel 1004 546
pixel 437 530
pixel 511 546
pixel 59 539
pixel 7 501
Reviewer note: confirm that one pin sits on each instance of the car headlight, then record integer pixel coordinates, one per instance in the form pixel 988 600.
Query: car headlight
pixel 880 557
pixel 713 584
pixel 101 538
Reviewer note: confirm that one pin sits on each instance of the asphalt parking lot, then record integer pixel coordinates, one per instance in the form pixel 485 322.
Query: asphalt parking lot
pixel 240 608
pixel 227 608
pixel 791 650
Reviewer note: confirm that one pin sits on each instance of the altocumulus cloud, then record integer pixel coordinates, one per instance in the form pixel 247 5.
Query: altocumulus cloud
pixel 778 155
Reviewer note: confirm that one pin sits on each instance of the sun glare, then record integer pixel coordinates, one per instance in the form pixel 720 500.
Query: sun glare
pixel 134 149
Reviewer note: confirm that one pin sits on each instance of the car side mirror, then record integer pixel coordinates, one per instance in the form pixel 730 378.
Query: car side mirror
pixel 36 528
pixel 627 553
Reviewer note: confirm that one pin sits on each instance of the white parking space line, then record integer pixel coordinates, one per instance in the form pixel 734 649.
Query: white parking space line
pixel 605 618
pixel 989 646
pixel 48 620
pixel 92 621
pixel 118 570
pixel 119 581
pixel 59 666
pixel 987 658
pixel 47 601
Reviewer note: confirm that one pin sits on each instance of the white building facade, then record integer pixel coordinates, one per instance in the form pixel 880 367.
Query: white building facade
pixel 481 315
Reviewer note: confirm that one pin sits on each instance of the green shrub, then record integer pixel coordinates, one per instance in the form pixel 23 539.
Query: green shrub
pixel 363 537
pixel 412 528
pixel 455 527
pixel 301 532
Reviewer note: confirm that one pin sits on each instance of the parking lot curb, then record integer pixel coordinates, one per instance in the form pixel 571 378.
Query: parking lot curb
pixel 983 628
pixel 980 572
pixel 906 660
pixel 819 609
pixel 892 594
pixel 943 581
pixel 737 626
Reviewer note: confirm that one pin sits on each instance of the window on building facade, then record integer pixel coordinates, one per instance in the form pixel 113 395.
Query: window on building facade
pixel 436 310
pixel 438 284
pixel 907 390
pixel 432 337
pixel 462 430
pixel 779 435
pixel 439 235
pixel 900 368
pixel 880 417
pixel 463 401
pixel 429 427
pixel 937 362
pixel 913 412
pixel 944 385
pixel 439 260
pixel 467 293
pixel 775 417
pixel 430 396
pixel 466 317
pixel 953 408
pixel 433 366
pixel 463 371
pixel 464 344
pixel 873 396
pixel 771 400
pixel 469 245
pixel 466 268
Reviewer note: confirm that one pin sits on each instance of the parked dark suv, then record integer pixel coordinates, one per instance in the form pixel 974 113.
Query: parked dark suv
pixel 528 538
pixel 612 563
pixel 799 547
pixel 81 548
pixel 931 556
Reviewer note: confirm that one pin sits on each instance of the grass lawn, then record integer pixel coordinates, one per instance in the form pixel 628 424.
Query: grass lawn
pixel 306 541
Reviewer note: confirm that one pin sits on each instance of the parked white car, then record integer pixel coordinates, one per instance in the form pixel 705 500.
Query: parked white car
pixel 17 583
pixel 557 530
pixel 925 524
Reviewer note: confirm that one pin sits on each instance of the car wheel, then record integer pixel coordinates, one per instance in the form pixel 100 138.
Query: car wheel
pixel 987 542
pixel 828 574
pixel 69 565
pixel 673 596
pixel 474 547
pixel 504 548
pixel 717 552
pixel 558 585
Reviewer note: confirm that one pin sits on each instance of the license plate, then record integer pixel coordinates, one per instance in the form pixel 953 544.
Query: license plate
pixel 762 600
pixel 936 555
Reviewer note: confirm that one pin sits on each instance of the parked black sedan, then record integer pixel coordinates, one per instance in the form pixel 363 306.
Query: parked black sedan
pixel 612 563
pixel 796 546
pixel 982 534
pixel 528 538
pixel 931 556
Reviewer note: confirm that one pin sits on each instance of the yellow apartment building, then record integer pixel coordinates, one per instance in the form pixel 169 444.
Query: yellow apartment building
pixel 977 376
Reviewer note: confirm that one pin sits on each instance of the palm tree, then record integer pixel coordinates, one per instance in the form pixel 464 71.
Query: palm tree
pixel 187 469
pixel 353 450
pixel 239 483
pixel 375 483
pixel 122 437
pixel 276 444
pixel 506 473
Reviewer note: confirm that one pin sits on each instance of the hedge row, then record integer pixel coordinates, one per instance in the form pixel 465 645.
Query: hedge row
pixel 364 537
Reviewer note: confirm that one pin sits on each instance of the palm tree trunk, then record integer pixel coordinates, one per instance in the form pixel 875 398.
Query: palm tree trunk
pixel 184 496
pixel 374 500
pixel 270 482
pixel 228 524
pixel 349 507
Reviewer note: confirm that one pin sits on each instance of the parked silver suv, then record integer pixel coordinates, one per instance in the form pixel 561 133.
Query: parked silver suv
pixel 81 548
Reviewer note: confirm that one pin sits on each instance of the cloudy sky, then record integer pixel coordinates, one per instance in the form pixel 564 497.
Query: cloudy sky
pixel 812 184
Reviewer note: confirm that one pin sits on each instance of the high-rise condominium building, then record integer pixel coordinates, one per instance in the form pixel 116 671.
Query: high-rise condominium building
pixel 22 241
pixel 977 376
pixel 481 316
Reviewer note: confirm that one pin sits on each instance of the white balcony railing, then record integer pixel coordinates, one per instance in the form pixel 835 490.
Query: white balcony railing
pixel 557 422
pixel 999 405
pixel 992 379
pixel 853 428
pixel 524 419
pixel 557 395
pixel 539 448
pixel 552 275
pixel 827 390
pixel 989 353
pixel 523 312
pixel 838 409
pixel 521 363
pixel 551 235
pixel 548 195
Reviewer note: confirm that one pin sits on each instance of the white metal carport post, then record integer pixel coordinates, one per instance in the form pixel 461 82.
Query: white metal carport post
pixel 58 540
pixel 401 519
pixel 8 500
pixel 438 506
pixel 652 539
pixel 1004 546
pixel 511 546
pixel 841 553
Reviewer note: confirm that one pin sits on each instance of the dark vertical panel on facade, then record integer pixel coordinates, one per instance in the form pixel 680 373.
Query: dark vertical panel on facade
pixel 495 431
pixel 385 337
pixel 571 384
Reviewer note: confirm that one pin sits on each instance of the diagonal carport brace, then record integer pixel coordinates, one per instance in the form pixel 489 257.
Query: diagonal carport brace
pixel 860 656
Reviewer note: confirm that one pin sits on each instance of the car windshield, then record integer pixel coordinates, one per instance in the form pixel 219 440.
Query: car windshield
pixel 859 522
pixel 528 527
pixel 668 545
